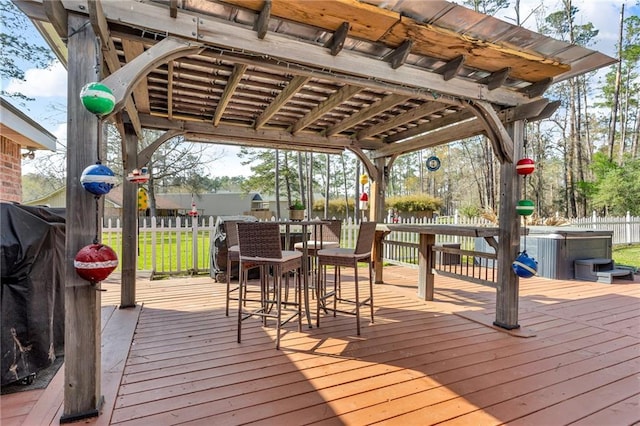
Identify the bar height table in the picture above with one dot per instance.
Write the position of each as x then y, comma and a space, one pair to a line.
304, 224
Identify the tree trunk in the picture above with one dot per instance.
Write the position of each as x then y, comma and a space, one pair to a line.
327, 186
301, 186
576, 140
616, 94
346, 193
636, 137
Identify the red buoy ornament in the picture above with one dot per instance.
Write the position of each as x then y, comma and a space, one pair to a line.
95, 262
525, 166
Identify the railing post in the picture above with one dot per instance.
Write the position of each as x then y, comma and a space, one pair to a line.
154, 230
628, 228
194, 244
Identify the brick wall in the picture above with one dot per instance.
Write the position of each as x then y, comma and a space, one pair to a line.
10, 171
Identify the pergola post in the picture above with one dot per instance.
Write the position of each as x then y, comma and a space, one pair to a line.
130, 219
82, 372
509, 237
378, 188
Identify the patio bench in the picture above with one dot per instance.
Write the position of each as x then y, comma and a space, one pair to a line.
600, 270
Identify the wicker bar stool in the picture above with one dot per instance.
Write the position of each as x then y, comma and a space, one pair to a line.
326, 235
233, 255
259, 245
345, 257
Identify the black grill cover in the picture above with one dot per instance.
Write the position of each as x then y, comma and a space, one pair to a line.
32, 318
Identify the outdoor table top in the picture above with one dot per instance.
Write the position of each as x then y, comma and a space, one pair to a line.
459, 230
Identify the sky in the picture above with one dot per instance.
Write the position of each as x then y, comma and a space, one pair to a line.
49, 87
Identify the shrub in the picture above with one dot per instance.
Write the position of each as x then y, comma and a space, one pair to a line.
414, 203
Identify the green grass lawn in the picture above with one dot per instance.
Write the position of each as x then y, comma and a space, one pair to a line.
627, 255
168, 251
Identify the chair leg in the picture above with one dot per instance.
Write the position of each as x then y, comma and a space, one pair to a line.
228, 286
300, 290
355, 277
277, 284
371, 290
240, 297
320, 280
336, 286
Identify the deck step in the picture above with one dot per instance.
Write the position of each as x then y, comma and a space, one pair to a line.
600, 270
607, 276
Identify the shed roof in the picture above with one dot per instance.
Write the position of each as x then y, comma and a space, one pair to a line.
387, 77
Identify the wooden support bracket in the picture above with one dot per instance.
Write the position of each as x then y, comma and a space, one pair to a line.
262, 24
496, 79
451, 68
336, 42
398, 57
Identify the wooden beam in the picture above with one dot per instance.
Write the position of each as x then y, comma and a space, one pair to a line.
283, 97
507, 290
449, 130
500, 139
416, 113
230, 88
496, 79
82, 349
122, 81
57, 15
129, 256
330, 103
173, 8
144, 156
336, 42
451, 68
398, 57
110, 54
132, 50
445, 120
289, 52
170, 90
437, 137
262, 143
242, 135
262, 23
547, 112
524, 112
537, 89
365, 113
372, 170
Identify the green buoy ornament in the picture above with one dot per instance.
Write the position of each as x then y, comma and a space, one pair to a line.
525, 207
97, 98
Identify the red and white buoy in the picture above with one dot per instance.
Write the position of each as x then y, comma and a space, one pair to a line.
95, 262
525, 166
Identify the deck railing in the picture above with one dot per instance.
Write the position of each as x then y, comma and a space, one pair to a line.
182, 245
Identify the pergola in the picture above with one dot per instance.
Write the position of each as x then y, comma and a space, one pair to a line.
379, 78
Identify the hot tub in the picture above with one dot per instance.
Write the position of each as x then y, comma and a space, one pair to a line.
556, 248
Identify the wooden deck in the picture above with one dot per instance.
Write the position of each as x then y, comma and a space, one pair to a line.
174, 360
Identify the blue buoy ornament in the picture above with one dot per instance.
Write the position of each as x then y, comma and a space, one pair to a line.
525, 266
98, 179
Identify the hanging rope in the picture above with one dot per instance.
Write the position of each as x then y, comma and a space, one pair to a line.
96, 238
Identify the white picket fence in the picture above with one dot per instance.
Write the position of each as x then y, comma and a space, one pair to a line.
182, 246
626, 229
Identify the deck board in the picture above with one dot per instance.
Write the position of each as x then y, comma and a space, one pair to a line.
421, 362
